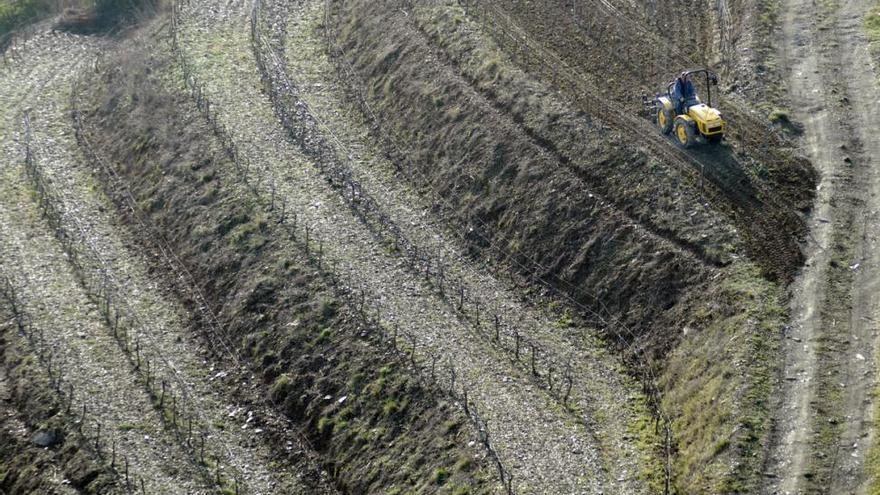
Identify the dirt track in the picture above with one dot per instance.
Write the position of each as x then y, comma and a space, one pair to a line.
824, 424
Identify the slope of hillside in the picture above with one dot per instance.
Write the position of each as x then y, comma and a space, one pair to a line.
344, 246
372, 423
493, 142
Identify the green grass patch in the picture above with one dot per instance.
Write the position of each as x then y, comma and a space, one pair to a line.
390, 407
779, 116
719, 383
441, 475
464, 464
325, 424
872, 30
281, 388
15, 14
872, 24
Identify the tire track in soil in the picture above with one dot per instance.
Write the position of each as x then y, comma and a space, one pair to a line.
538, 442
824, 426
864, 101
601, 388
770, 226
692, 249
234, 432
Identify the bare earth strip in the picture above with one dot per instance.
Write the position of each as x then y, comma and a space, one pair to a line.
861, 374
789, 456
824, 425
544, 446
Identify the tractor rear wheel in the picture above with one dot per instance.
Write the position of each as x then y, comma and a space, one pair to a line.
685, 133
664, 120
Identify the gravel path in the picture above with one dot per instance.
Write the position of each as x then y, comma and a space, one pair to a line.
825, 422
544, 446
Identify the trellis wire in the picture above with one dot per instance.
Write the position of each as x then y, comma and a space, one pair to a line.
103, 289
243, 166
419, 260
618, 329
65, 392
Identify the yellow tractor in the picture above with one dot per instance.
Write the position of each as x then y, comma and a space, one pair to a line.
681, 110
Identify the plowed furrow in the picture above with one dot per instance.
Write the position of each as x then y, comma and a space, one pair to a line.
670, 233
771, 229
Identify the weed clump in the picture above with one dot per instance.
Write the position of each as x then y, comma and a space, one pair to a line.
779, 116
441, 475
281, 388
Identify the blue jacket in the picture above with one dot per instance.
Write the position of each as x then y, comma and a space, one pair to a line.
683, 89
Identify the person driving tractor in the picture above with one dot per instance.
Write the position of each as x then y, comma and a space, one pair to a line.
684, 93
679, 109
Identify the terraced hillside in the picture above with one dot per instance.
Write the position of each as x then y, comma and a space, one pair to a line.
341, 246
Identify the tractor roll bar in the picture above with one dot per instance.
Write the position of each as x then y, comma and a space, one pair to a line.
711, 80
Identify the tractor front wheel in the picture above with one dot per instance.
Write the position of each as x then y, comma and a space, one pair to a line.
664, 120
685, 133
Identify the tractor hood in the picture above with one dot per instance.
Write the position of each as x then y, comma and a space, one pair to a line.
704, 113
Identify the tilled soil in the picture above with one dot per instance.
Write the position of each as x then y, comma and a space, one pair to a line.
543, 446
583, 444
718, 407
517, 206
824, 422
763, 208
649, 192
